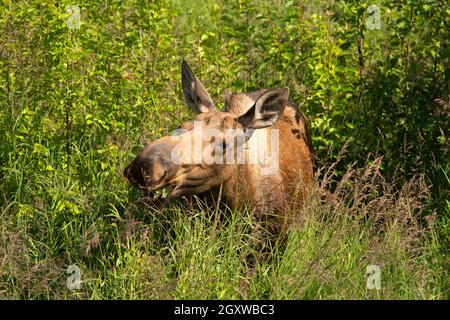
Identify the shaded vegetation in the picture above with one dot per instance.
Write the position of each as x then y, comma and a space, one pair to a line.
76, 104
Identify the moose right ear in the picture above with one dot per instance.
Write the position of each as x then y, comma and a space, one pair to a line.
266, 110
194, 92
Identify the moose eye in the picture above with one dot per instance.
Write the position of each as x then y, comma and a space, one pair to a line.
221, 145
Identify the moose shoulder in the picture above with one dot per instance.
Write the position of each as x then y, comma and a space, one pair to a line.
257, 150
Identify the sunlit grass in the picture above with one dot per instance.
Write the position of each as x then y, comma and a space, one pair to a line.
75, 106
127, 249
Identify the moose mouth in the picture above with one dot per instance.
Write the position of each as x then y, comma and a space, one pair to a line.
140, 179
157, 196
158, 192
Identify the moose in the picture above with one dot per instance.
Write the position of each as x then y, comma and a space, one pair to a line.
256, 151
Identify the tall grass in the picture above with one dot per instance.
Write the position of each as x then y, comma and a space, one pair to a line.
76, 104
127, 249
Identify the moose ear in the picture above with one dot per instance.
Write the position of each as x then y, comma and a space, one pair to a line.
266, 110
194, 92
227, 100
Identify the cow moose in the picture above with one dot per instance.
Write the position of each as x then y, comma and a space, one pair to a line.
256, 150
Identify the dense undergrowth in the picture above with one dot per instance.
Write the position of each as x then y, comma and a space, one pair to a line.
76, 104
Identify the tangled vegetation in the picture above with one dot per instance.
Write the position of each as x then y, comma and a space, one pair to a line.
76, 103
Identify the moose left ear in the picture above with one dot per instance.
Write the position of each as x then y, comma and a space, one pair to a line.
227, 100
194, 92
266, 110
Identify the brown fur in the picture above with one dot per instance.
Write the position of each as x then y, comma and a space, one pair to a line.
240, 183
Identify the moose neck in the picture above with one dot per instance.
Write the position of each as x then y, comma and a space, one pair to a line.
258, 180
